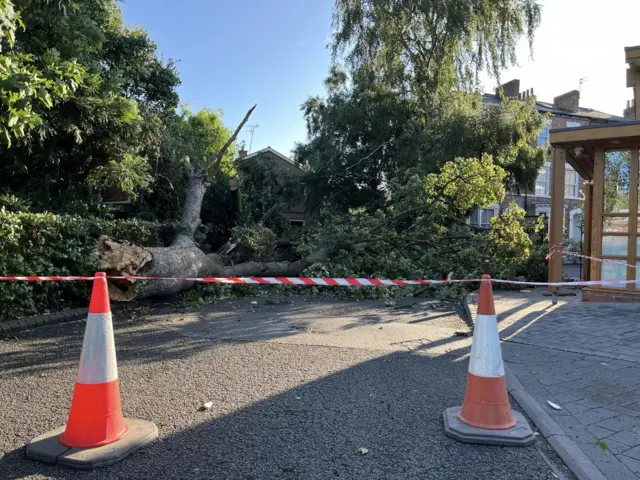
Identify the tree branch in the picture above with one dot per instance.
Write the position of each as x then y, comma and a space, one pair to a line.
188, 168
214, 163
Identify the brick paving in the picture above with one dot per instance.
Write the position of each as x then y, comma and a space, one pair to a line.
584, 357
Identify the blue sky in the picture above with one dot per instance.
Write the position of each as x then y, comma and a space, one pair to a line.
233, 54
578, 39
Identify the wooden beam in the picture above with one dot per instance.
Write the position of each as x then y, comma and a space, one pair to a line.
631, 53
556, 233
596, 210
577, 165
608, 132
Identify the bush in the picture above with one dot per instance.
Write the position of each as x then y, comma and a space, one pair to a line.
48, 244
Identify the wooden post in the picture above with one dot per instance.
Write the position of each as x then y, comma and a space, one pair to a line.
633, 218
556, 234
596, 210
586, 227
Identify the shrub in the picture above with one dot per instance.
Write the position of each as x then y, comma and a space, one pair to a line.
48, 244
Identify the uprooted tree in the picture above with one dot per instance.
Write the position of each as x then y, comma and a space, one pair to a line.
397, 153
183, 257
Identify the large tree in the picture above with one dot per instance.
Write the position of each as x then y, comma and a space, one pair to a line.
29, 84
394, 136
102, 128
364, 134
425, 46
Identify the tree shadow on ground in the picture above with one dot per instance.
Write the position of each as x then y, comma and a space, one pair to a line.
151, 336
147, 343
390, 405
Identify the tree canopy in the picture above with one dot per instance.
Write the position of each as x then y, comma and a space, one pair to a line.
399, 150
426, 46
97, 107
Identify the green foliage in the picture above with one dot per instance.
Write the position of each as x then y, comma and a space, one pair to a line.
399, 152
47, 244
264, 194
102, 96
366, 133
431, 45
469, 182
508, 240
205, 134
259, 240
129, 174
27, 82
402, 148
421, 232
12, 203
266, 188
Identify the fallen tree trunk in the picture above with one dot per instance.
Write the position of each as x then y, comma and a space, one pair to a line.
182, 259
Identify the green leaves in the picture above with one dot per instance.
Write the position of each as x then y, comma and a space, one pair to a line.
130, 174
45, 97
23, 82
469, 182
508, 240
428, 46
9, 21
78, 90
25, 87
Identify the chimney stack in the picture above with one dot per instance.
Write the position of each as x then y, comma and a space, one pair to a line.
510, 89
242, 153
630, 111
569, 101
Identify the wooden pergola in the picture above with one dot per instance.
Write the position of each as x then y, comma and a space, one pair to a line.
606, 157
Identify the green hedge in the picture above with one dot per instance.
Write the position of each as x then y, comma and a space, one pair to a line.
48, 244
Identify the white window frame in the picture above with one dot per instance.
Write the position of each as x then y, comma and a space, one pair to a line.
572, 224
547, 186
576, 187
494, 208
546, 209
547, 127
547, 167
547, 183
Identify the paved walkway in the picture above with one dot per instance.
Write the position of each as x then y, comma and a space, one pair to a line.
301, 390
584, 357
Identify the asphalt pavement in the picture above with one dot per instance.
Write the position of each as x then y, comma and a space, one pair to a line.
300, 389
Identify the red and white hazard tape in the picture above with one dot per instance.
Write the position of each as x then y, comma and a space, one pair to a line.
325, 281
55, 278
316, 281
595, 259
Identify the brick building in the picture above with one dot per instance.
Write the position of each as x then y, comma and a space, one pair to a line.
297, 214
565, 112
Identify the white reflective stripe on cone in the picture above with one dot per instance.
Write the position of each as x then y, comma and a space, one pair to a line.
98, 358
486, 354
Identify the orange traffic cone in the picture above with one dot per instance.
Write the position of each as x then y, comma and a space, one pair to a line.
95, 418
486, 415
96, 434
486, 401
